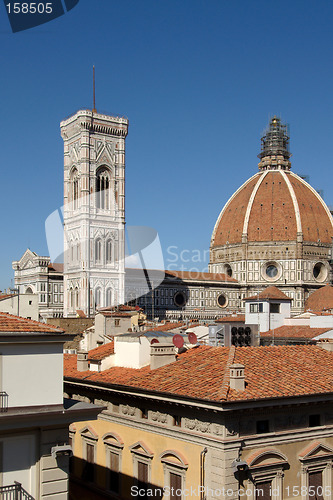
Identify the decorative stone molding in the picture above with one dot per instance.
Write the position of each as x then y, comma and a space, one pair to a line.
159, 417
204, 427
128, 410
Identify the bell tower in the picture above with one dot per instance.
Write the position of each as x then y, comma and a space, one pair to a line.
94, 211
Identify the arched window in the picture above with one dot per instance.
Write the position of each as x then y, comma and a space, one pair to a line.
74, 188
78, 251
103, 188
98, 297
98, 251
108, 297
108, 251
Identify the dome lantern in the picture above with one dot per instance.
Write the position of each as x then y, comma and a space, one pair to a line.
275, 152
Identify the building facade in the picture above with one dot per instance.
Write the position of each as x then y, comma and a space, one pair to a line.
34, 418
36, 277
275, 229
94, 211
217, 423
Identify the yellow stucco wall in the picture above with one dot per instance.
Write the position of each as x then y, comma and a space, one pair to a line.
156, 443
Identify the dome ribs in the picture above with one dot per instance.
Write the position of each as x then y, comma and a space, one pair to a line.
230, 223
272, 211
316, 222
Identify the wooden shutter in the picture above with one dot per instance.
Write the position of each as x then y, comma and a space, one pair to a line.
316, 481
263, 490
114, 472
143, 477
175, 484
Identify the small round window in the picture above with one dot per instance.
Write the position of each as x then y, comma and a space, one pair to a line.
271, 271
319, 272
179, 299
222, 300
228, 270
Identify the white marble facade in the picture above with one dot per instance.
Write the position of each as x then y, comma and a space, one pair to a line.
94, 211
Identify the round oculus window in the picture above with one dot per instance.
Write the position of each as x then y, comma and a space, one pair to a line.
222, 300
271, 271
319, 272
179, 299
228, 270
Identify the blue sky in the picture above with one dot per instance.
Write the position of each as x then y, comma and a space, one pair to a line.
198, 80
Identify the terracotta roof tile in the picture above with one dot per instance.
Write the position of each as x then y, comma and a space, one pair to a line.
320, 300
294, 332
271, 292
272, 213
230, 319
10, 323
101, 352
202, 373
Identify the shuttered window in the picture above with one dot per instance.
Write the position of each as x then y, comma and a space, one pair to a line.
175, 486
114, 472
263, 490
143, 477
316, 481
89, 470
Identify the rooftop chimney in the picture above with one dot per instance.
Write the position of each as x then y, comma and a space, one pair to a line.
161, 355
237, 377
82, 361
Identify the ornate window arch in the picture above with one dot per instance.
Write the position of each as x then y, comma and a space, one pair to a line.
266, 474
74, 188
98, 297
108, 251
175, 466
316, 471
113, 447
98, 251
108, 297
103, 182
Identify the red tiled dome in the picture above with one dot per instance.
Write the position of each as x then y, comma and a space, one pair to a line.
274, 205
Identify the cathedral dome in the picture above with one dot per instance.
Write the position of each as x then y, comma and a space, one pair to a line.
275, 205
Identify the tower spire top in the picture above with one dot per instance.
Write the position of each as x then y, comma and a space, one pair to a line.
275, 152
94, 94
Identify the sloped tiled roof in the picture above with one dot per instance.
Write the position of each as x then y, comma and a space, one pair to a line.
271, 292
101, 352
294, 332
202, 373
320, 300
10, 323
240, 318
7, 295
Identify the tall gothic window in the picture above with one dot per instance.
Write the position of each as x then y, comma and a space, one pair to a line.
74, 188
98, 251
108, 251
103, 188
97, 297
108, 297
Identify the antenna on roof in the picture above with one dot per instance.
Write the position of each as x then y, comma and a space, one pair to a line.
94, 99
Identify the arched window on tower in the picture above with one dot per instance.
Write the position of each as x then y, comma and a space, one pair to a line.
74, 196
108, 251
103, 188
98, 251
98, 298
108, 297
